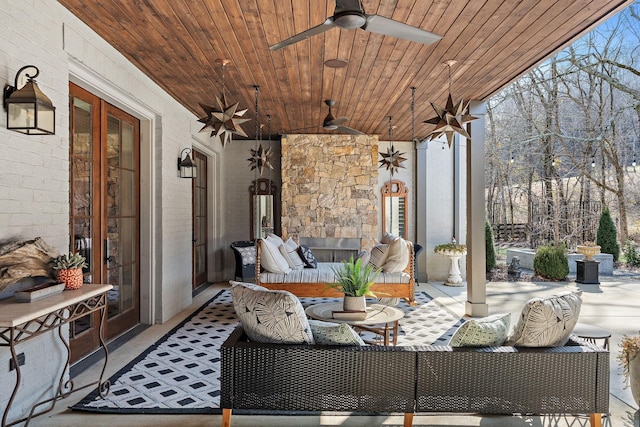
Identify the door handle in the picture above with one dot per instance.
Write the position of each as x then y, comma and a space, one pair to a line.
107, 258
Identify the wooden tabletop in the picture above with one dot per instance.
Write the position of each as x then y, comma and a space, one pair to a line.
376, 313
14, 313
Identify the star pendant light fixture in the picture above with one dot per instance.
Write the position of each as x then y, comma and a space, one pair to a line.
224, 120
260, 157
392, 159
450, 119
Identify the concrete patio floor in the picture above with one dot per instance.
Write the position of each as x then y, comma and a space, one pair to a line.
613, 305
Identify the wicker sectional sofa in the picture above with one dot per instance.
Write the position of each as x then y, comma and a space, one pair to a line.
572, 379
312, 282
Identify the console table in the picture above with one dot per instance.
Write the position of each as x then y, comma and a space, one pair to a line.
21, 322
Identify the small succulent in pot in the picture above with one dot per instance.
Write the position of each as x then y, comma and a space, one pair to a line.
69, 269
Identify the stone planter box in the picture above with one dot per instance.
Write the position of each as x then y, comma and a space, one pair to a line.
526, 260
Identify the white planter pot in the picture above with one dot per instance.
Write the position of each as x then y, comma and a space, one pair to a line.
354, 303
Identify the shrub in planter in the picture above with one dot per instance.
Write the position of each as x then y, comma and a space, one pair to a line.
607, 235
491, 250
551, 262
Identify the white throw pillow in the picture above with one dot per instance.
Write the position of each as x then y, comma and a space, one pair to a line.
329, 333
488, 331
379, 254
397, 257
388, 238
270, 316
547, 322
271, 259
275, 240
289, 251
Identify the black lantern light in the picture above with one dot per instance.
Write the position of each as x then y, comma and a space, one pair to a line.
29, 111
185, 165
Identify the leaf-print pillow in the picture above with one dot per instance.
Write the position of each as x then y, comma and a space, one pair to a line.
270, 316
547, 322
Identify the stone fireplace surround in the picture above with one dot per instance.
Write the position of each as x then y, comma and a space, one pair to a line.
329, 187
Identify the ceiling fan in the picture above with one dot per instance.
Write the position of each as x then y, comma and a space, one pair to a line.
350, 15
330, 122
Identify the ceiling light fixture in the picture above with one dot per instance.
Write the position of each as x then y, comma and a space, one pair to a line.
223, 120
29, 111
450, 119
336, 63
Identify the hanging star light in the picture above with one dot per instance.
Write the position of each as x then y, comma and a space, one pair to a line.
224, 120
392, 159
450, 119
260, 158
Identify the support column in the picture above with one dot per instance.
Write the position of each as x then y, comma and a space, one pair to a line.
421, 207
476, 305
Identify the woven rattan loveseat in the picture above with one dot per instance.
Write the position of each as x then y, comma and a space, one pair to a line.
573, 379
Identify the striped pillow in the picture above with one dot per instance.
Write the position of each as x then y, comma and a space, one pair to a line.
379, 254
289, 251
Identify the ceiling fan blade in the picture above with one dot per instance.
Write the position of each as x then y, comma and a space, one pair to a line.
337, 122
388, 27
319, 29
348, 130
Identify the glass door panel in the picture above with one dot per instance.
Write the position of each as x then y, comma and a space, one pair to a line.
199, 204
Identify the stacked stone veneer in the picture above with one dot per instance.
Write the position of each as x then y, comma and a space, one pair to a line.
329, 187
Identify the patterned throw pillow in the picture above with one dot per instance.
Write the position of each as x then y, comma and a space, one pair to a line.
379, 254
248, 254
364, 256
488, 331
547, 322
289, 251
270, 316
329, 333
271, 259
307, 257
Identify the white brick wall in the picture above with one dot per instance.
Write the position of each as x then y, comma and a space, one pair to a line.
34, 187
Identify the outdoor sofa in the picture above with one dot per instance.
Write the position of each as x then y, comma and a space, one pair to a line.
312, 282
570, 379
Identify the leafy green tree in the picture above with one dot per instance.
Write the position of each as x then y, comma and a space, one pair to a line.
607, 236
491, 251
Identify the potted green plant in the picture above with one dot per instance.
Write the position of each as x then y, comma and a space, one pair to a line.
354, 280
68, 269
629, 359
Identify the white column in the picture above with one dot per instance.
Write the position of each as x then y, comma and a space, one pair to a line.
421, 208
476, 305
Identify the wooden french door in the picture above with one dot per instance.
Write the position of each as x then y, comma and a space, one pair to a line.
200, 214
104, 211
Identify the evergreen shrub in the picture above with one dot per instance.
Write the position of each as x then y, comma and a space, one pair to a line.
631, 253
551, 262
490, 246
607, 235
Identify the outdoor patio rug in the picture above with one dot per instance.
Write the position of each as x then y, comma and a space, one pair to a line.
179, 374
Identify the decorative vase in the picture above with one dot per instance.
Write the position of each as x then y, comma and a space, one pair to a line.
634, 376
72, 278
588, 251
354, 303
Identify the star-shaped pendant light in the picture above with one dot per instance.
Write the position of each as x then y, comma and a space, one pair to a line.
392, 159
260, 158
224, 120
450, 119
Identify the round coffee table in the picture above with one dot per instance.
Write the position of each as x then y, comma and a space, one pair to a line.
381, 319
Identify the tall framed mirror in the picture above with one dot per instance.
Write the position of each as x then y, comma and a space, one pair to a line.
265, 208
394, 208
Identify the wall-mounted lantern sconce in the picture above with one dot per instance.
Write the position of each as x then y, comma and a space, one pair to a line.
29, 111
186, 166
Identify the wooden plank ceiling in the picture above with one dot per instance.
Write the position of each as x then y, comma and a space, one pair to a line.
178, 44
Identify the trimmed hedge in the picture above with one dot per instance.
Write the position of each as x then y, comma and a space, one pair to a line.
491, 250
551, 262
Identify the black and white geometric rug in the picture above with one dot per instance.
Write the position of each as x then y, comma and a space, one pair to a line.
179, 374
